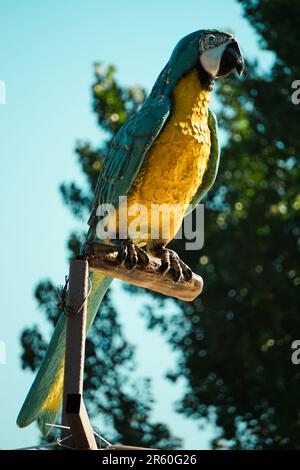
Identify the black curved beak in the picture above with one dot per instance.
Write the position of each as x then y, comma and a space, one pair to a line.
232, 59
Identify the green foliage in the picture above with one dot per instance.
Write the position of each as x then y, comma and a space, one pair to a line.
112, 392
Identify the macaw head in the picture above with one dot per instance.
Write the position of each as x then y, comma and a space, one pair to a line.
219, 54
212, 53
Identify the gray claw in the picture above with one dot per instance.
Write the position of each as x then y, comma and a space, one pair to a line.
130, 254
142, 256
165, 262
176, 267
122, 253
187, 272
170, 262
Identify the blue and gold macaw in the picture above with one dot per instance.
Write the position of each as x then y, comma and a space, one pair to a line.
167, 153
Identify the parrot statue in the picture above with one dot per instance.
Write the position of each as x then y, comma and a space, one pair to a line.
166, 153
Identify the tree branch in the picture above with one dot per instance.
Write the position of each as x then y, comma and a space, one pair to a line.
147, 276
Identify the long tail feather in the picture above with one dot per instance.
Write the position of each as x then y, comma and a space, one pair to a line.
44, 397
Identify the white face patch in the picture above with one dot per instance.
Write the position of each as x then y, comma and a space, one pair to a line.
211, 58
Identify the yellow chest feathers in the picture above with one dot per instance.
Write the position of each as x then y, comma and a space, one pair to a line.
175, 165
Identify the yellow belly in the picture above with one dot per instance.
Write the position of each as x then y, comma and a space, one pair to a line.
177, 161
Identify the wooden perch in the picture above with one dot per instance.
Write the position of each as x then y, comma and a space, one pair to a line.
147, 276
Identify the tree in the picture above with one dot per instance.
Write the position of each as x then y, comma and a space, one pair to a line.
110, 390
235, 341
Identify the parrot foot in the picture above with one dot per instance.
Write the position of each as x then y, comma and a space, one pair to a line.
170, 262
130, 254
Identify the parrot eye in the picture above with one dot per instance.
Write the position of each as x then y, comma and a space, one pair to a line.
211, 40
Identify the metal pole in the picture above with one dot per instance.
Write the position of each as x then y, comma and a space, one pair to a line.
74, 412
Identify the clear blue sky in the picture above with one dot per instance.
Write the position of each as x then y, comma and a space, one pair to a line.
46, 55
